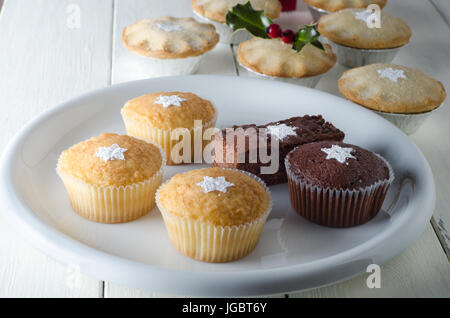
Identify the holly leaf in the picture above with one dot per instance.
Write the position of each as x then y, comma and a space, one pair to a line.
243, 16
307, 34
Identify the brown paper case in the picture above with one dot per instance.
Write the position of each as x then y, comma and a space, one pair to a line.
337, 207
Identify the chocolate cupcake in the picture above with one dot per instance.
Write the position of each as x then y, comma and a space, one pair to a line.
336, 184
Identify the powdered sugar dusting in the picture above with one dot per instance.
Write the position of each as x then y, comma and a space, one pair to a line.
392, 74
113, 152
172, 100
341, 154
210, 184
169, 27
281, 131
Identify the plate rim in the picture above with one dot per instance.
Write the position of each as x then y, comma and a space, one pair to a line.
67, 250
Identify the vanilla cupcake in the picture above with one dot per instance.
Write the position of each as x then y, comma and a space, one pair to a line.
356, 43
171, 120
215, 11
169, 46
214, 215
112, 178
402, 95
319, 8
275, 60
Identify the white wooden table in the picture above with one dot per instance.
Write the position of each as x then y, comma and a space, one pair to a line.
46, 58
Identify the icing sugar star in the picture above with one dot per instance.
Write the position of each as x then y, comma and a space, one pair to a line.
282, 131
392, 74
113, 152
341, 154
210, 184
168, 27
166, 101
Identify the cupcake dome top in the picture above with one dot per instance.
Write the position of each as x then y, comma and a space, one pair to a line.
392, 88
217, 10
169, 37
337, 165
169, 110
221, 197
349, 27
273, 57
335, 5
111, 160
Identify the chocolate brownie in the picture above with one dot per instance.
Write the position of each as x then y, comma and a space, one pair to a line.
288, 134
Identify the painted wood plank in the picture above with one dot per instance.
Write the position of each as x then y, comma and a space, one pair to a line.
46, 59
443, 6
422, 270
126, 68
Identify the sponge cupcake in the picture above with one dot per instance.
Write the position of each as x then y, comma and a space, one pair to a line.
111, 178
214, 214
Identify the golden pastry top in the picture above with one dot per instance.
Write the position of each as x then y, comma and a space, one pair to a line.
244, 201
216, 10
170, 38
392, 88
150, 109
141, 160
349, 27
335, 5
273, 57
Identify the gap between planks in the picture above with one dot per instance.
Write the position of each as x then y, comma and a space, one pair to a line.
438, 8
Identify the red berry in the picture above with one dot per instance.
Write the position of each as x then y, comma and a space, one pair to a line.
288, 36
274, 30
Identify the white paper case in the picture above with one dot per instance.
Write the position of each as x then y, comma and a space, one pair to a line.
112, 204
162, 137
213, 243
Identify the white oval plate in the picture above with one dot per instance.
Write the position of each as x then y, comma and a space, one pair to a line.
293, 254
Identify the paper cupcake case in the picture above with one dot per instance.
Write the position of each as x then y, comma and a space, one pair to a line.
213, 243
227, 35
112, 204
337, 207
162, 137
